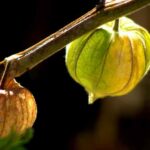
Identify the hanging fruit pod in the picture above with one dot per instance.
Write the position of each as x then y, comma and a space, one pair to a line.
18, 108
110, 61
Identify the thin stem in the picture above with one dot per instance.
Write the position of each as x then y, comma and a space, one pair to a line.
116, 25
26, 60
2, 80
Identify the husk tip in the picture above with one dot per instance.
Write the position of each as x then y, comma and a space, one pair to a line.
91, 98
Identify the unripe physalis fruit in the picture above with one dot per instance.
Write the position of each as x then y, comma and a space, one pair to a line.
17, 108
110, 60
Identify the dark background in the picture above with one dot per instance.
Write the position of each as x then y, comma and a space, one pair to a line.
65, 120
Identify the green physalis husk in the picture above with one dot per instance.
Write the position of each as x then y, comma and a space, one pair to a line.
108, 62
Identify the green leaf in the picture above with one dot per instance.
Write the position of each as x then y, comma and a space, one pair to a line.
16, 141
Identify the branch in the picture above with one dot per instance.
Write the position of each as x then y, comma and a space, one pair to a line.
21, 62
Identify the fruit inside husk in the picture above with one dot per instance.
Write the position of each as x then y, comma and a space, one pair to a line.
107, 62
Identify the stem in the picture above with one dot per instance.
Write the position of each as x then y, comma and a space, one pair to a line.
3, 77
27, 59
116, 25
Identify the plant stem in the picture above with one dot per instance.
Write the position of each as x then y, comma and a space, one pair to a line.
21, 62
116, 25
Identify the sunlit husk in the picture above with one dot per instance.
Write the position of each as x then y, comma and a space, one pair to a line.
109, 63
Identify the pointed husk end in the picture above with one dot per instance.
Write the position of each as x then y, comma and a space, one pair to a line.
91, 98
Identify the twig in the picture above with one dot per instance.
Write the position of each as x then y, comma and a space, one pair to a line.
21, 62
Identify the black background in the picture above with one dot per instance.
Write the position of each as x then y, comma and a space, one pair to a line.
59, 99
63, 110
